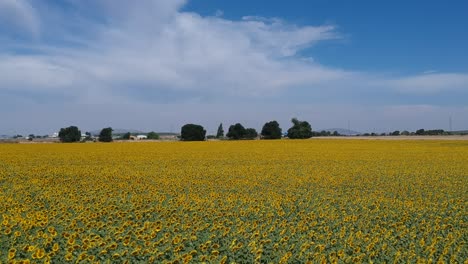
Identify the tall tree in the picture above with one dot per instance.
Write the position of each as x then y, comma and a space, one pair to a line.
300, 129
106, 135
236, 131
250, 133
271, 130
192, 132
220, 133
69, 134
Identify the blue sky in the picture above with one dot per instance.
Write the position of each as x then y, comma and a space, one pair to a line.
396, 36
157, 64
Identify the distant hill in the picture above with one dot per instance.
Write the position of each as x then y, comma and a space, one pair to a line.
342, 131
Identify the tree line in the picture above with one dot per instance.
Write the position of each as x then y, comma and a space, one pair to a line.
270, 130
195, 132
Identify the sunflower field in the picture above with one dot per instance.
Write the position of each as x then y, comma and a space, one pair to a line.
285, 201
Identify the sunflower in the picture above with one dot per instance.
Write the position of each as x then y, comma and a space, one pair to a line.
55, 247
11, 253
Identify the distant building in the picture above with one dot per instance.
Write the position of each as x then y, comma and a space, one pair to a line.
140, 137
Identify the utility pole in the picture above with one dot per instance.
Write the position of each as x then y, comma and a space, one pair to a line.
450, 123
349, 128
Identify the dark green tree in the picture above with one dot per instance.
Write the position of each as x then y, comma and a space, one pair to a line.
300, 129
220, 133
236, 131
192, 132
88, 136
152, 135
250, 133
420, 132
271, 130
335, 133
69, 134
126, 136
106, 135
396, 133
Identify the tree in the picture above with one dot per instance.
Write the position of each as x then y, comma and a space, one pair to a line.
396, 133
271, 130
106, 135
300, 129
236, 131
420, 132
335, 133
192, 132
152, 135
69, 134
88, 136
405, 133
220, 133
250, 133
126, 136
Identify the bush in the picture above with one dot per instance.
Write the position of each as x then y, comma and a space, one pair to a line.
299, 130
69, 134
236, 131
152, 135
126, 136
192, 132
271, 130
106, 135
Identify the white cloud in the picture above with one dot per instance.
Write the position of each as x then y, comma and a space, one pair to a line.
431, 83
34, 73
154, 45
19, 16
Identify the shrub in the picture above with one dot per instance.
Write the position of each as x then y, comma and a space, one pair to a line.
152, 135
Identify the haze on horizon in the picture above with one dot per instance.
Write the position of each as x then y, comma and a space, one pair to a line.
158, 64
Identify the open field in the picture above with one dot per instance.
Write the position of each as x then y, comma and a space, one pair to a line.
287, 201
455, 137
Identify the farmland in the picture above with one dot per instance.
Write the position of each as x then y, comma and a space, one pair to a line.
334, 201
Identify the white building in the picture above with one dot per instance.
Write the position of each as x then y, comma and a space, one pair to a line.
140, 137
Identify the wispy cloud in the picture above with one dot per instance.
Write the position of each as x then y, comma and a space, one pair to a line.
431, 83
